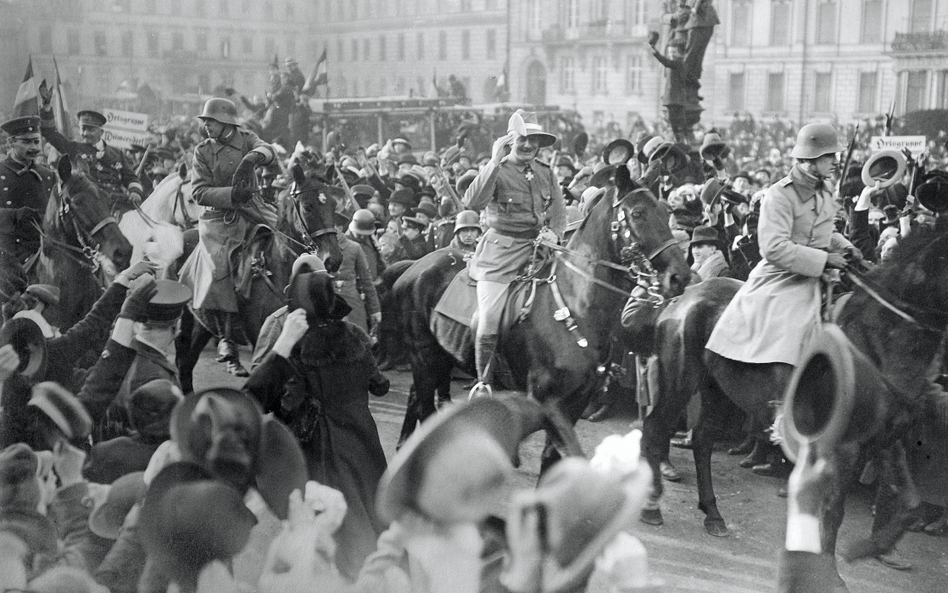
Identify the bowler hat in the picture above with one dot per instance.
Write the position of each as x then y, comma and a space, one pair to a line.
465, 447
106, 519
22, 126
88, 117
618, 152
63, 408
428, 209
27, 339
314, 294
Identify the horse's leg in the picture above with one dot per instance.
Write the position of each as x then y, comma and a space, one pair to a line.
200, 336
715, 408
561, 439
847, 464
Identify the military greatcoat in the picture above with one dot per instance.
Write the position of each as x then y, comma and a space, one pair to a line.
776, 313
22, 186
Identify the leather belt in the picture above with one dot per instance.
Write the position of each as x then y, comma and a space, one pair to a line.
530, 234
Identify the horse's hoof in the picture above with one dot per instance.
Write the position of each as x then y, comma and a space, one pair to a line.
236, 369
753, 459
669, 472
602, 413
651, 517
716, 527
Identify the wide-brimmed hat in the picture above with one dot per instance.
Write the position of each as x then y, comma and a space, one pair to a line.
618, 151
106, 519
223, 430
712, 147
465, 181
526, 124
465, 447
63, 408
705, 234
314, 294
26, 337
640, 148
713, 188
189, 519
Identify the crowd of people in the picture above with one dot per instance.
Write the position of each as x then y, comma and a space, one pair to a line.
114, 475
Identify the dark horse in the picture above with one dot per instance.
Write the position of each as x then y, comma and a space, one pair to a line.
78, 238
305, 225
899, 349
553, 354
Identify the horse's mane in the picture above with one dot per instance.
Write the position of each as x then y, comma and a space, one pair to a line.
916, 271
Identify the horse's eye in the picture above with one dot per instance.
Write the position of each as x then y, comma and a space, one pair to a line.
637, 213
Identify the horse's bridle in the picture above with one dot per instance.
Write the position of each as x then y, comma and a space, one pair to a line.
180, 205
89, 248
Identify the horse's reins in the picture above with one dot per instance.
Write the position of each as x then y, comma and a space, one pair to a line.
89, 247
895, 305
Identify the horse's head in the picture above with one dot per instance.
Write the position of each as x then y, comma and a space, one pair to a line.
317, 208
79, 212
638, 233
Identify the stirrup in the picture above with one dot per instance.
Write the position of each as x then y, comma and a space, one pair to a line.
480, 389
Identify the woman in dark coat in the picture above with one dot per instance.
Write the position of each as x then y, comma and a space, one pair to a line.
317, 379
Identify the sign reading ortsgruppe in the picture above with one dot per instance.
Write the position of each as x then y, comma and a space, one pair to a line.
124, 128
916, 144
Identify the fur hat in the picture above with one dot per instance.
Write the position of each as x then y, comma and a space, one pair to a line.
458, 461
63, 408
189, 519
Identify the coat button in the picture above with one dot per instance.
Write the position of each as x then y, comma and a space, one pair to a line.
3, 176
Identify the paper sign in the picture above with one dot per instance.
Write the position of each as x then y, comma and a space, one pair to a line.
124, 128
916, 144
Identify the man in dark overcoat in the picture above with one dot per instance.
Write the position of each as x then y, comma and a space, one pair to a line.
25, 186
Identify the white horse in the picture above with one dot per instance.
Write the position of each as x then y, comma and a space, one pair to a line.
168, 211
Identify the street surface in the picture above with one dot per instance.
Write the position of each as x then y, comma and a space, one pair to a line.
681, 554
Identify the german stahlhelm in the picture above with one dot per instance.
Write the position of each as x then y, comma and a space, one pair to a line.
815, 140
468, 219
222, 110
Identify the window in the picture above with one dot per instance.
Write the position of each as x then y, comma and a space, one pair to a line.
247, 43
225, 48
826, 22
921, 19
101, 45
868, 81
200, 40
735, 91
638, 12
46, 39
871, 21
915, 86
366, 49
572, 14
382, 49
740, 23
567, 74
153, 44
401, 47
442, 45
420, 46
822, 92
465, 5
465, 45
780, 22
491, 44
355, 50
775, 91
128, 44
177, 41
634, 75
536, 16
600, 75
942, 90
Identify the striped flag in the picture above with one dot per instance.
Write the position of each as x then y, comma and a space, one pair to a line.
319, 76
60, 108
27, 96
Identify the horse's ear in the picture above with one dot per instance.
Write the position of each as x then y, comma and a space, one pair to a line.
183, 171
64, 168
298, 176
624, 179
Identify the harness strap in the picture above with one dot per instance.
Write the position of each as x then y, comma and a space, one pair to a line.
858, 281
109, 220
592, 278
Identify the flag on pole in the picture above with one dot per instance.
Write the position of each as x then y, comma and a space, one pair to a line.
501, 92
60, 107
27, 96
434, 85
319, 76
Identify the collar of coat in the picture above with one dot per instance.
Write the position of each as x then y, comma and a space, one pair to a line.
234, 141
807, 185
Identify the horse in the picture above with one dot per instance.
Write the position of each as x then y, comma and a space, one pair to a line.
305, 223
81, 246
555, 352
156, 231
898, 324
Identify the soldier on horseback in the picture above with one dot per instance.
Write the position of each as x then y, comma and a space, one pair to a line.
523, 202
108, 167
24, 189
225, 184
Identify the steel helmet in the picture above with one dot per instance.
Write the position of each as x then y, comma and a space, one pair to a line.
222, 110
815, 140
468, 219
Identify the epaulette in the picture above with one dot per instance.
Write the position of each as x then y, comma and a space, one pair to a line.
785, 181
545, 164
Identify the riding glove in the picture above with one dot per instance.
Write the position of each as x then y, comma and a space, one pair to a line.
244, 174
136, 301
240, 195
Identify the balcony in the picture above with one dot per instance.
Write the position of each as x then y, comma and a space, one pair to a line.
913, 43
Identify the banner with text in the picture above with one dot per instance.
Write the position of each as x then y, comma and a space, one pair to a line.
916, 144
124, 128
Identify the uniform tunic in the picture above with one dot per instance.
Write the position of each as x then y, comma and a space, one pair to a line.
353, 282
208, 271
22, 187
520, 200
776, 313
108, 167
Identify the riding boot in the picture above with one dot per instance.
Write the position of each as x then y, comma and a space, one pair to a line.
484, 348
228, 354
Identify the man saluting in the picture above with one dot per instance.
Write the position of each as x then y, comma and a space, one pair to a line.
24, 189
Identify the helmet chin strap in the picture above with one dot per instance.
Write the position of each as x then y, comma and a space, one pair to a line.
225, 134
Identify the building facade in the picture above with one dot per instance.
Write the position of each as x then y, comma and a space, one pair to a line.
805, 60
381, 48
180, 50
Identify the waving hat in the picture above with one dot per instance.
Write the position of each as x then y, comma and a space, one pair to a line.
526, 124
